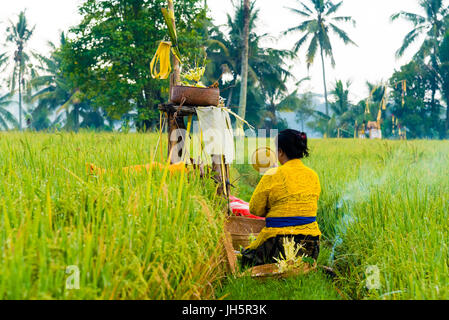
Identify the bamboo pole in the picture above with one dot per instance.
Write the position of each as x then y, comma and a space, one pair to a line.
176, 75
174, 123
221, 175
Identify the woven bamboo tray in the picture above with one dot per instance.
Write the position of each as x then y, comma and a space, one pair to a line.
271, 271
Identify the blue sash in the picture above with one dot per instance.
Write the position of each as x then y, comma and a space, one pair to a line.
283, 222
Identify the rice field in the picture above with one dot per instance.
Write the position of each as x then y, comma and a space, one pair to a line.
66, 233
384, 213
127, 236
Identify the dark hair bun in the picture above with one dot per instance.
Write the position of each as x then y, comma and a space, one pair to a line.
293, 143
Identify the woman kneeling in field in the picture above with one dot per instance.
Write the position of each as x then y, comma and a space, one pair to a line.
288, 197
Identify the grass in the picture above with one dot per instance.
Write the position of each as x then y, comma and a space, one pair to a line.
298, 288
126, 233
313, 286
384, 204
158, 235
395, 216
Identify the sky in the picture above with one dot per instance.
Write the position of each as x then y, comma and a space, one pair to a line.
49, 16
372, 60
377, 38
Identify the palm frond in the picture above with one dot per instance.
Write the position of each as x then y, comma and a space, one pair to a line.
326, 45
3, 124
220, 44
322, 115
408, 40
303, 26
305, 7
319, 5
57, 121
414, 18
311, 52
8, 117
342, 35
299, 12
301, 41
333, 8
345, 19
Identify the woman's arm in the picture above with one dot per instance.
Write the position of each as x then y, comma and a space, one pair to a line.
258, 205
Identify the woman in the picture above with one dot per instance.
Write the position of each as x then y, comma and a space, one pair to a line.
288, 197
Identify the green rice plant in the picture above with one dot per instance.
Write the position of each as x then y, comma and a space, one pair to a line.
400, 225
128, 240
157, 235
383, 204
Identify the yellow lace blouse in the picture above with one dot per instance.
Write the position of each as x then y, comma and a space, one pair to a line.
291, 190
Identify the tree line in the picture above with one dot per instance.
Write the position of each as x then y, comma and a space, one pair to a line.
98, 76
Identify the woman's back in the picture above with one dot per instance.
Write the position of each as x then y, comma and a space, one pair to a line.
291, 190
295, 190
288, 197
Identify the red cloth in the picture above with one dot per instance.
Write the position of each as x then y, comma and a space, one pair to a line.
241, 208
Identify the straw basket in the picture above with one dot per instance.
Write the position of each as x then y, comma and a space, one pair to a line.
193, 96
241, 229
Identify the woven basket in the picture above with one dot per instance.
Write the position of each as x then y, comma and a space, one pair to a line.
267, 271
241, 229
193, 96
241, 240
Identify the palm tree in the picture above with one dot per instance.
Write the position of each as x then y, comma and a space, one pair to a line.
6, 117
344, 114
342, 107
444, 58
226, 51
317, 22
304, 108
300, 104
54, 92
245, 55
341, 95
433, 26
267, 70
275, 91
19, 34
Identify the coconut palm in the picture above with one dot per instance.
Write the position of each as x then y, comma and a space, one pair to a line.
275, 92
19, 34
344, 113
245, 56
266, 66
341, 96
444, 58
226, 50
318, 19
304, 108
432, 25
6, 117
54, 93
